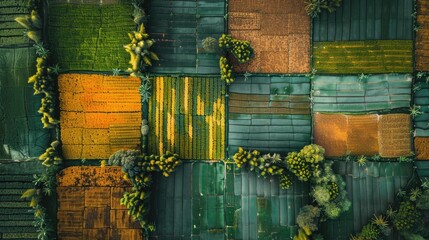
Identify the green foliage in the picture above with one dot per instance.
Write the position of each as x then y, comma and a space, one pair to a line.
33, 24
210, 44
41, 50
137, 201
240, 49
362, 78
412, 236
422, 76
305, 162
298, 166
362, 161
144, 89
139, 169
380, 221
116, 71
242, 158
370, 232
43, 83
139, 15
329, 192
422, 201
266, 165
382, 224
44, 185
226, 71
308, 218
406, 216
333, 190
376, 157
141, 56
285, 181
51, 155
314, 7
415, 194
415, 111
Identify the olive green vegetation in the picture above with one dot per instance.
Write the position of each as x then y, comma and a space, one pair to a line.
315, 7
90, 37
139, 52
226, 70
240, 49
33, 25
52, 155
44, 83
356, 57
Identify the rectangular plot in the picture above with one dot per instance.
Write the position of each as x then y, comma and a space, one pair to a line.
277, 117
179, 28
355, 57
365, 20
95, 42
353, 94
279, 32
188, 118
101, 117
386, 135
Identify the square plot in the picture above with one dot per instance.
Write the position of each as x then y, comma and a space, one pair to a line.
100, 116
188, 117
95, 42
269, 114
272, 21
